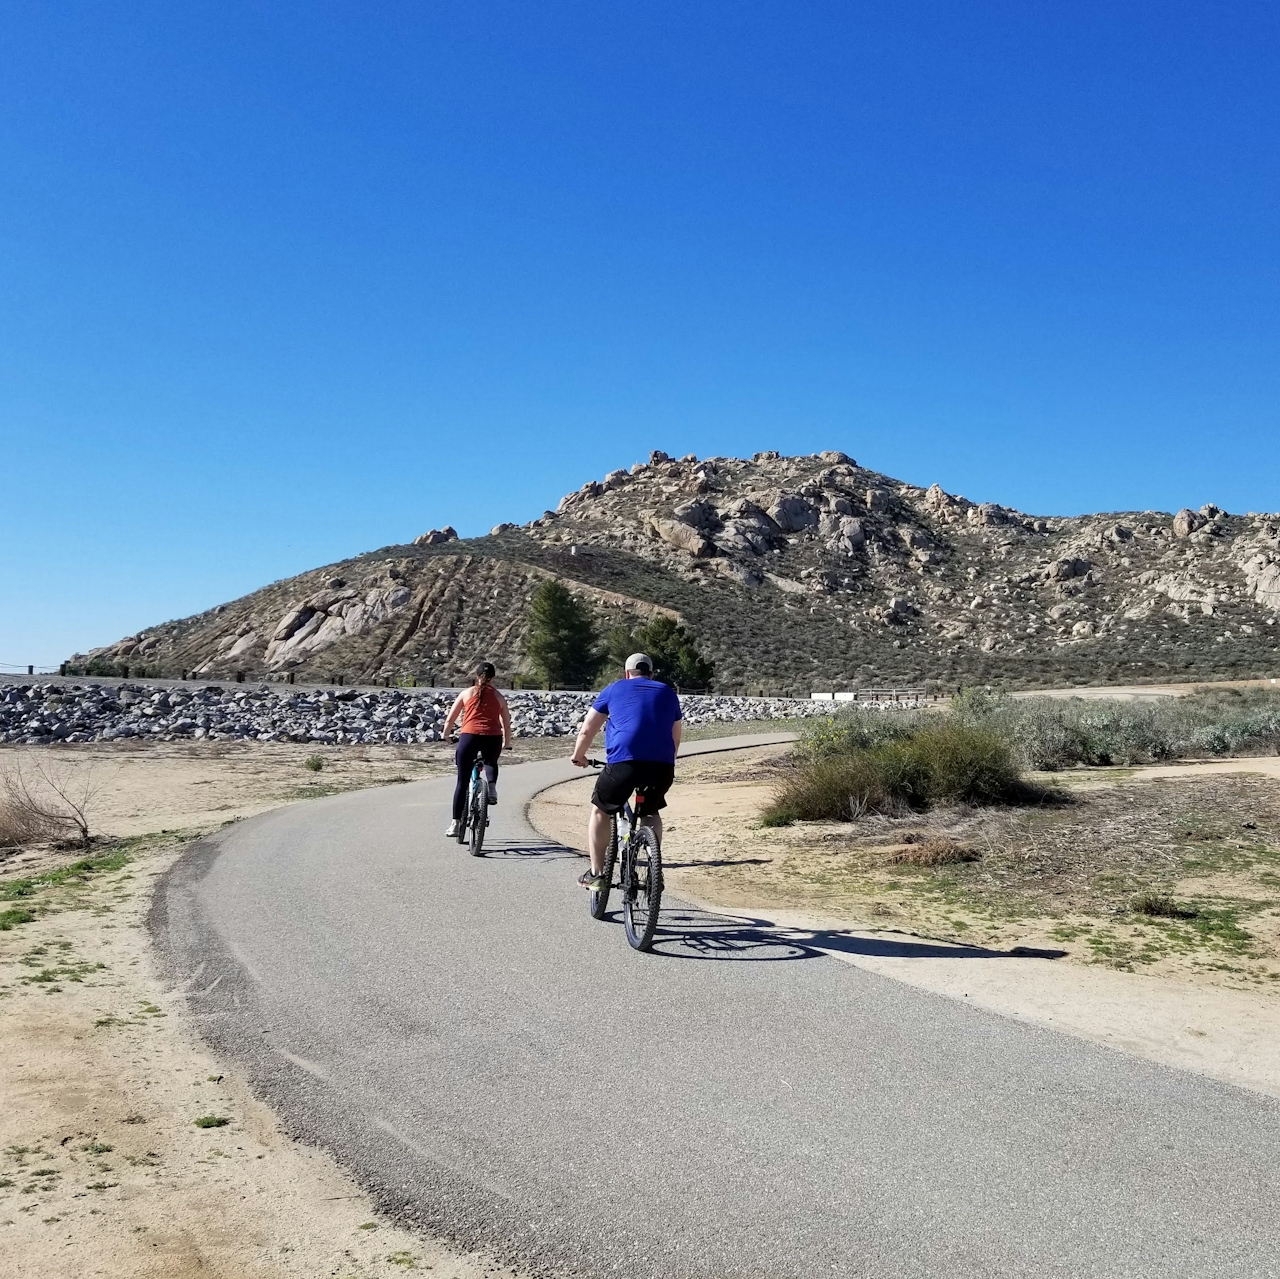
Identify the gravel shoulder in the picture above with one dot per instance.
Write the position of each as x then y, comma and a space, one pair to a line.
103, 1169
1200, 997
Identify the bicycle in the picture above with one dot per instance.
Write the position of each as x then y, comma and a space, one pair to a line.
475, 815
639, 877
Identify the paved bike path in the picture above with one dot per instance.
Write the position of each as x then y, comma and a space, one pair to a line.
507, 1073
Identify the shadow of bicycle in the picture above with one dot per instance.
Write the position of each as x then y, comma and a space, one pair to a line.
523, 849
690, 932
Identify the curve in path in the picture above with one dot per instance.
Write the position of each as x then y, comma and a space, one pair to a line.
504, 1072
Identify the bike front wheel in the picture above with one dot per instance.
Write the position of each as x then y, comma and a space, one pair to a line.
641, 888
479, 818
598, 898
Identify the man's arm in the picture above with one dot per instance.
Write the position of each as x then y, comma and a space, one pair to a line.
586, 735
677, 732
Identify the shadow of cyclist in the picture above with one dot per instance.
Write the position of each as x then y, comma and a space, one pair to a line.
689, 932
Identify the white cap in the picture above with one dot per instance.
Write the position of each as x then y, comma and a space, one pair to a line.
637, 660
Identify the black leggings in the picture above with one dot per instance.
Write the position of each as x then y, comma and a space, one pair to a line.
469, 746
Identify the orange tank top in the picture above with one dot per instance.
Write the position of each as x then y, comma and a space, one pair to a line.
480, 713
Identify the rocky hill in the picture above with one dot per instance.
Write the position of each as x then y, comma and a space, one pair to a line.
795, 573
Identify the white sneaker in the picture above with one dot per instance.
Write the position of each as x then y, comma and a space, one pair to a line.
452, 831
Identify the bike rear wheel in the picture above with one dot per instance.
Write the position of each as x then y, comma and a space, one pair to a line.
598, 898
641, 888
479, 808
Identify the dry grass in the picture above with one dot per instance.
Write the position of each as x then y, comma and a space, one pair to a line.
939, 851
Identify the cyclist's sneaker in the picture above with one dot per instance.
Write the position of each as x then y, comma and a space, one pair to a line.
451, 832
493, 792
591, 881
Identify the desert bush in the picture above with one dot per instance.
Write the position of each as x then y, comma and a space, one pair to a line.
933, 852
40, 800
856, 727
951, 760
831, 788
314, 763
942, 760
1052, 733
1162, 906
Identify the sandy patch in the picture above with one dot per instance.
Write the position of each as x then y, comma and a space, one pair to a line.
103, 1170
719, 858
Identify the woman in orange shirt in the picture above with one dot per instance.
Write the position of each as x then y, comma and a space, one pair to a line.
485, 731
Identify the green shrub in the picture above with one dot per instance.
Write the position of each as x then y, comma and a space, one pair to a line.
1162, 906
1052, 733
857, 727
314, 762
944, 760
950, 760
833, 788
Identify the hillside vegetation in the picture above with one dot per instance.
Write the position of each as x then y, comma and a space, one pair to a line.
793, 573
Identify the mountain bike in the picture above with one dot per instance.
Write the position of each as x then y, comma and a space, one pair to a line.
638, 860
475, 815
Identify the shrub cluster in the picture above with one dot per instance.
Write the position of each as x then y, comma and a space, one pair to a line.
866, 760
944, 759
1053, 733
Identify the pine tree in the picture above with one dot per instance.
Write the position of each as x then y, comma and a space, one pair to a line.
674, 650
561, 641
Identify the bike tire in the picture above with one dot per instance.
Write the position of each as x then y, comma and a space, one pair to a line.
598, 898
479, 818
642, 888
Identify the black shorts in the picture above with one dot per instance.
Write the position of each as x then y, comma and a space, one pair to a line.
651, 778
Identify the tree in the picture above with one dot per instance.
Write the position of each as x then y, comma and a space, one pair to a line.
561, 640
674, 650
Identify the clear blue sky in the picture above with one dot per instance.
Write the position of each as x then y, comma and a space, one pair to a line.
283, 282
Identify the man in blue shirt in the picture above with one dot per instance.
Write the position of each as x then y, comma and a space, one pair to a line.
642, 725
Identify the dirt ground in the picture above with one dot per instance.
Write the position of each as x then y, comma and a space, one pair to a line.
1046, 896
104, 1169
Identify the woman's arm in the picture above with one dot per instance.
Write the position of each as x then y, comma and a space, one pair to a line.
504, 711
454, 711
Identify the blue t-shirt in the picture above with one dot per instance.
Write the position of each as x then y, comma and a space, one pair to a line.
641, 713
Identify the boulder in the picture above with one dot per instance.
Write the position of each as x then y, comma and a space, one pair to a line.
833, 457
1187, 522
1067, 567
615, 479
683, 537
768, 455
1262, 576
938, 500
435, 536
989, 513
878, 501
657, 457
844, 534
700, 515
502, 528
791, 513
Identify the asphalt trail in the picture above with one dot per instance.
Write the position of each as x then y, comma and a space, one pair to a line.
502, 1071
